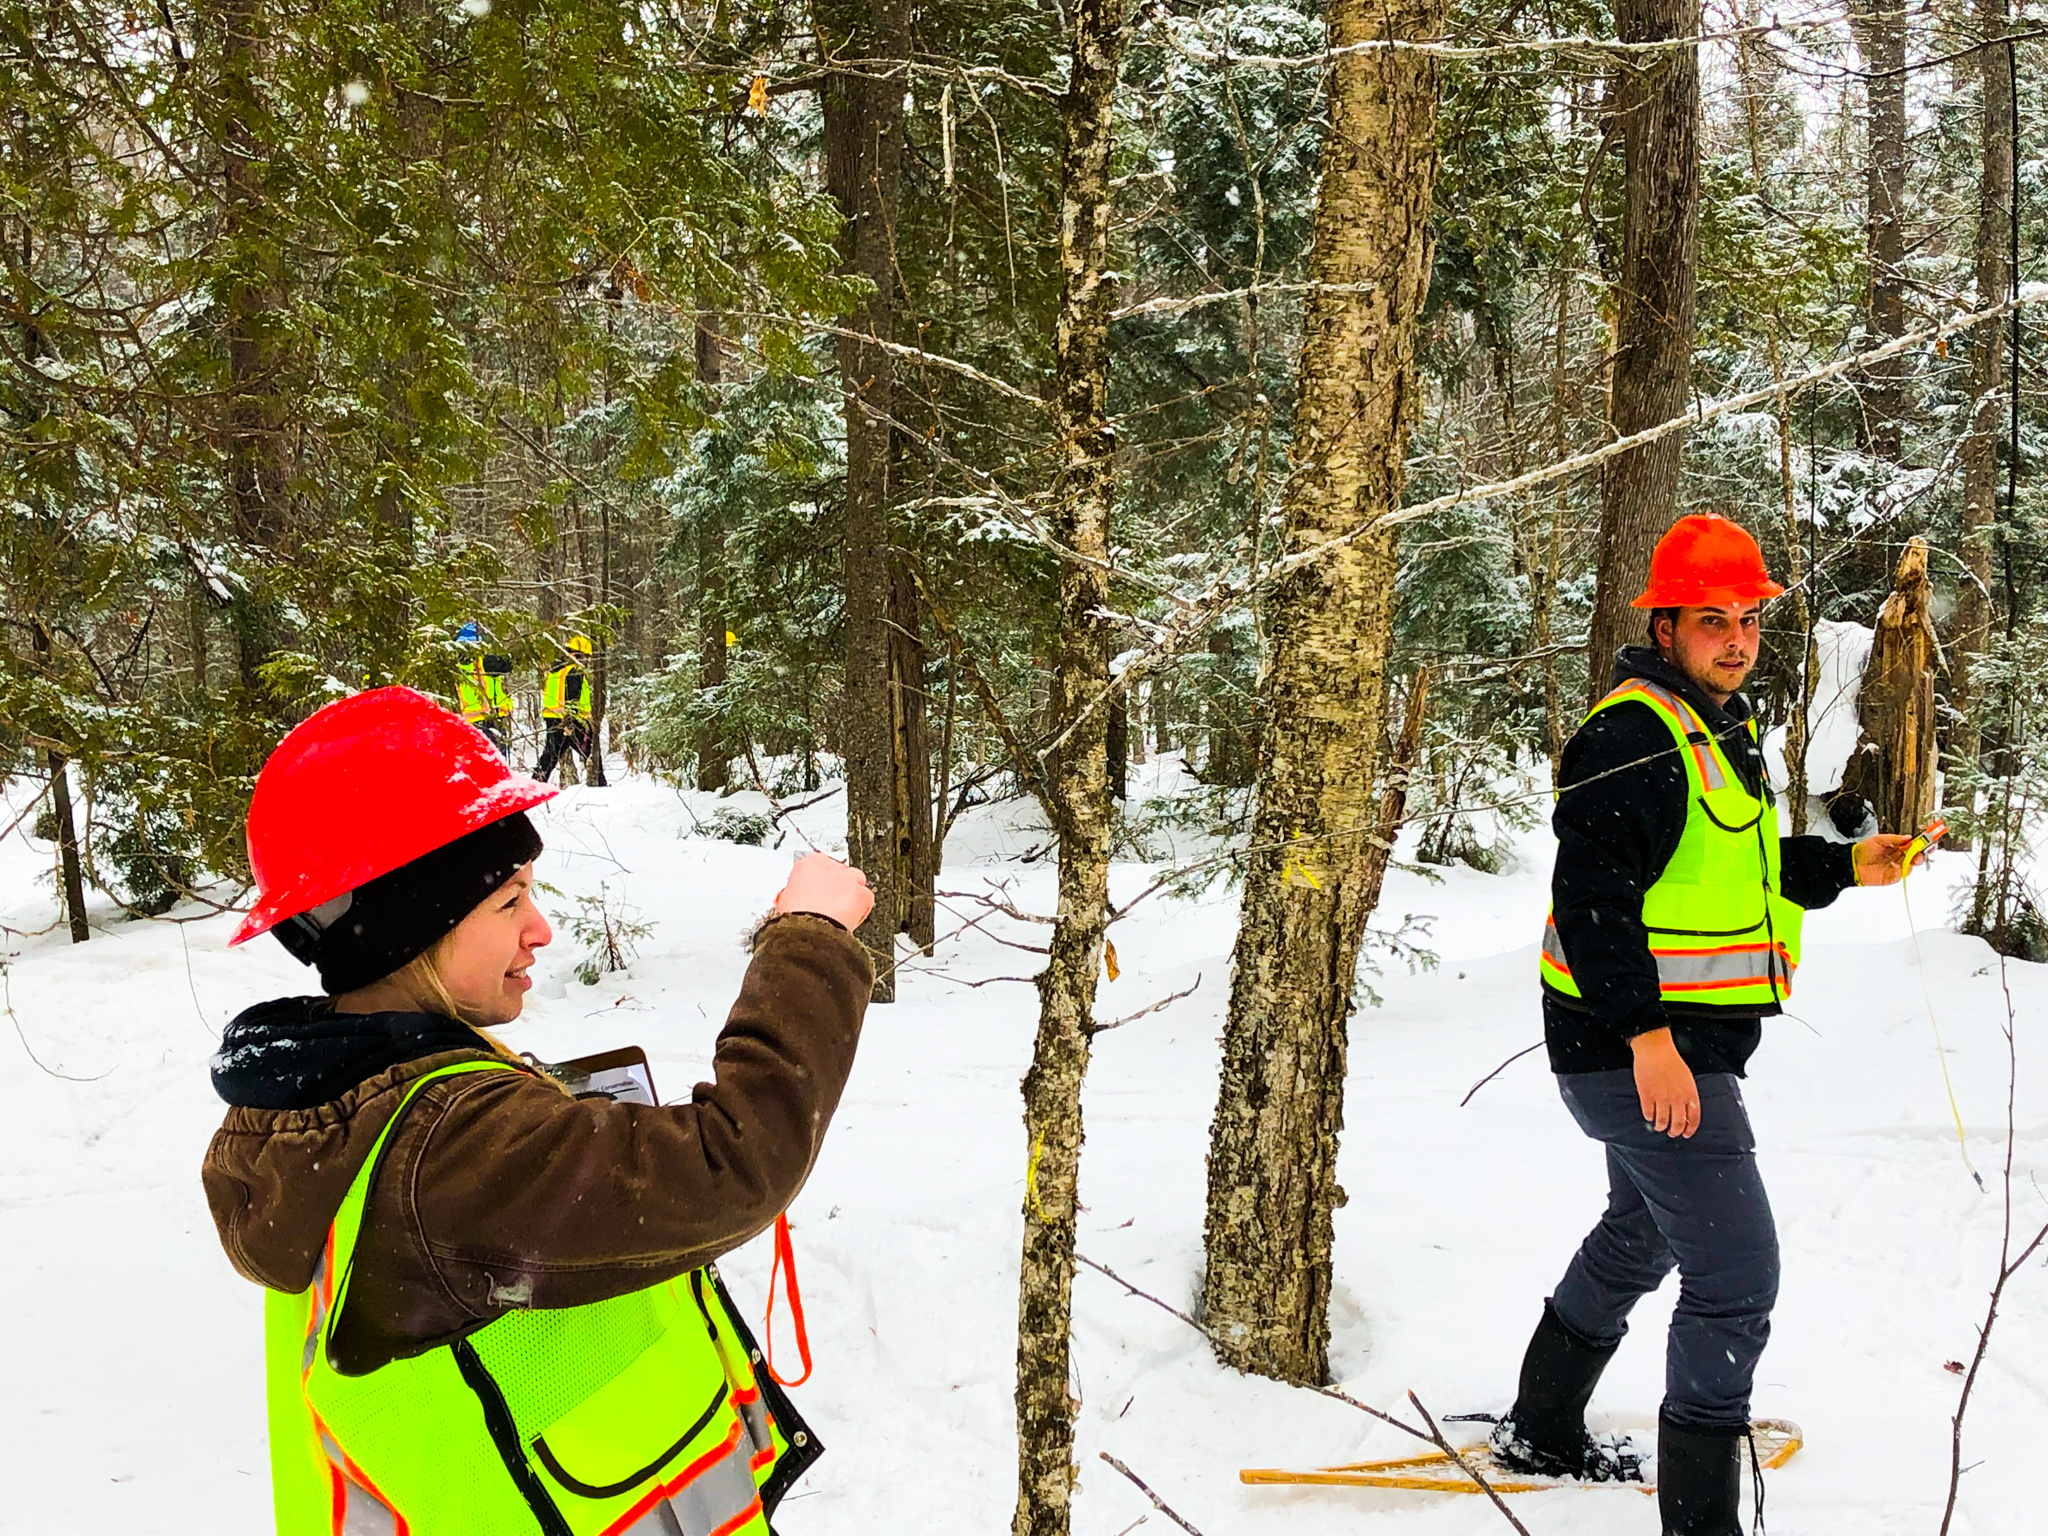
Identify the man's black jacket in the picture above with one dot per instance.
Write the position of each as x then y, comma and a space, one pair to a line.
1621, 808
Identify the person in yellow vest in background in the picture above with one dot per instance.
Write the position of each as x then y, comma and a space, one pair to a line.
565, 710
485, 696
490, 1309
1674, 931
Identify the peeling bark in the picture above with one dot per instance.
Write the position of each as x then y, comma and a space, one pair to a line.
1893, 765
1273, 1145
1077, 783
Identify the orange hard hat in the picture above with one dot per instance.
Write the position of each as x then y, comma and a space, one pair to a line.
1705, 560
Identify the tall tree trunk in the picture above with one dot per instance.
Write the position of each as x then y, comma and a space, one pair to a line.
1080, 803
1980, 449
909, 710
1118, 747
714, 751
1273, 1145
68, 871
1751, 70
1881, 38
864, 160
1658, 106
253, 438
67, 845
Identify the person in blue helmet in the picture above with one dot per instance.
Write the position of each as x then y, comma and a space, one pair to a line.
485, 695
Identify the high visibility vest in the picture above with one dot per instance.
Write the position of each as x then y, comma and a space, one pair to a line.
555, 703
482, 694
638, 1415
1719, 931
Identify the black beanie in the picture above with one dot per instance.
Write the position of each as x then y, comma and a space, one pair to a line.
371, 931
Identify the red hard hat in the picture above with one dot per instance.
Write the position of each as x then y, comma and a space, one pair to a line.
1705, 560
365, 785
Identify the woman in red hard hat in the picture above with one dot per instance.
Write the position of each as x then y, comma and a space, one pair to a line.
1674, 931
488, 1305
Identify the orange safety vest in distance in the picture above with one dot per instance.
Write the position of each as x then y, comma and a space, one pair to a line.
637, 1416
1719, 931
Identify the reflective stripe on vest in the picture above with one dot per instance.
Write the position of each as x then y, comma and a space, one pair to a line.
1718, 930
640, 1414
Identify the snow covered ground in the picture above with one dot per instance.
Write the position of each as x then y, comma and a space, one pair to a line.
130, 1393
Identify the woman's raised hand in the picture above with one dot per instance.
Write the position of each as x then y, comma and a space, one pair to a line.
821, 884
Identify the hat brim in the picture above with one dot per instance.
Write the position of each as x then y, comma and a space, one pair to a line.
1709, 597
514, 794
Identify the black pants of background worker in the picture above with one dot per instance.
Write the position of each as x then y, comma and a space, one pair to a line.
1696, 1204
499, 730
563, 738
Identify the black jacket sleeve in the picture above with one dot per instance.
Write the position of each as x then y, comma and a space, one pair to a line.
1812, 871
1620, 813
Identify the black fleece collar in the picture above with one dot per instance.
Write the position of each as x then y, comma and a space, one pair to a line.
298, 1053
1724, 722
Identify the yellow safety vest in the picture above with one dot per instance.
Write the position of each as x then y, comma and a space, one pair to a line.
554, 701
1719, 931
483, 694
638, 1416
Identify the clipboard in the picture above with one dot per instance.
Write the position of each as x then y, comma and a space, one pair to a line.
621, 1075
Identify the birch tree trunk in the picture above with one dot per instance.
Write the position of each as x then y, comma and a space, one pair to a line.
1980, 449
1273, 1145
864, 170
1658, 104
1077, 782
1880, 35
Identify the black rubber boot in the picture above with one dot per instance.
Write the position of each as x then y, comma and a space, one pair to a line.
1699, 1480
1545, 1432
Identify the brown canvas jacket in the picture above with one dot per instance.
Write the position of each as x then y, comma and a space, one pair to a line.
497, 1190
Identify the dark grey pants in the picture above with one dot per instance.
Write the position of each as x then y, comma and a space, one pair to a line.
1696, 1204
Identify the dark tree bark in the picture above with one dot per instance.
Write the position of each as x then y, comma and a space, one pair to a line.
1280, 1106
1980, 449
1880, 34
1658, 108
714, 752
1119, 748
912, 754
253, 424
67, 845
863, 111
1078, 797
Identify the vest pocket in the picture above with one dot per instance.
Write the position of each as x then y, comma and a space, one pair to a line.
662, 1432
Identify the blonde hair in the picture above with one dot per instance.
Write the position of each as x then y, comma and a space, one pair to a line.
420, 978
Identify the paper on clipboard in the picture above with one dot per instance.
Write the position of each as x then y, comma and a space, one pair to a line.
622, 1076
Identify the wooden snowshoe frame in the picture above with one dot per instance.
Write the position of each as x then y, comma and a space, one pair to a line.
1777, 1441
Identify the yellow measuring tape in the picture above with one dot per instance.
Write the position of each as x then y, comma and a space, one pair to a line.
1914, 850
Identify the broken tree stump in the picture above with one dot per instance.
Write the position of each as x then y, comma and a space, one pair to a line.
1893, 765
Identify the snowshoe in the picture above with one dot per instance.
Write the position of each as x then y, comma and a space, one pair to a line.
1596, 1459
1776, 1441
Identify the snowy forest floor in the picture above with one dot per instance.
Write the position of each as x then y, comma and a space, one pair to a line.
131, 1389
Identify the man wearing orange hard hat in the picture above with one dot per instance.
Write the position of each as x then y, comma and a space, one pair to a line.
1673, 933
